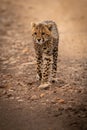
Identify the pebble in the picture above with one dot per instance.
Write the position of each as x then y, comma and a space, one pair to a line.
34, 97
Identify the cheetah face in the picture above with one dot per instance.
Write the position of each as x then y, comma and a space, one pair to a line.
41, 33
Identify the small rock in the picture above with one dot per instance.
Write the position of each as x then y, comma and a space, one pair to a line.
34, 97
20, 100
57, 98
47, 101
17, 97
44, 104
61, 101
10, 90
53, 102
42, 95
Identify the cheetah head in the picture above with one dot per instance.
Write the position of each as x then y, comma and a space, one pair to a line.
41, 33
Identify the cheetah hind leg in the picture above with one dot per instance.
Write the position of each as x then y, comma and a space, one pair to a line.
54, 65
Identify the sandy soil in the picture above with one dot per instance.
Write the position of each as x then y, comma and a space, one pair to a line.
22, 105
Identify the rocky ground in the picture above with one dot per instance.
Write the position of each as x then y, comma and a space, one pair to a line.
22, 105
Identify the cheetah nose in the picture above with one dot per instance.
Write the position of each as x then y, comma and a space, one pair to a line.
38, 40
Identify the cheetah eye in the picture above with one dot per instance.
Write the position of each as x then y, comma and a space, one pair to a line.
43, 33
35, 33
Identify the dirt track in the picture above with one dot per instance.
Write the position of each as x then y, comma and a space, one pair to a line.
22, 105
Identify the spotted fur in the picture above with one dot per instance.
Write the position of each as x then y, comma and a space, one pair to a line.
45, 37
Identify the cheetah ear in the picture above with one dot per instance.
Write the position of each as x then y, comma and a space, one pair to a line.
49, 26
33, 25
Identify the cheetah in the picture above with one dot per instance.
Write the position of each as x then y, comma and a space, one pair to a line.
46, 38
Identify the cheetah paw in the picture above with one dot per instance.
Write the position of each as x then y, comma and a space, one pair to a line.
44, 86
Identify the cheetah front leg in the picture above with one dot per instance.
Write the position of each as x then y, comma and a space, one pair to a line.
46, 71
